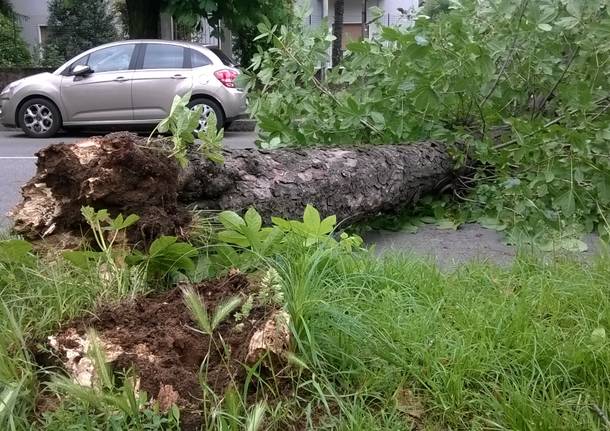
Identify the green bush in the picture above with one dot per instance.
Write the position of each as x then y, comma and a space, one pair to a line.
13, 50
75, 27
523, 87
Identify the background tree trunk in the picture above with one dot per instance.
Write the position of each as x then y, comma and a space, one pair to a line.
363, 27
337, 54
143, 19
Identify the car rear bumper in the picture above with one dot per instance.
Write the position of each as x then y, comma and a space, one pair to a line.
234, 103
7, 113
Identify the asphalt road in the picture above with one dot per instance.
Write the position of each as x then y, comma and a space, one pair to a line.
18, 163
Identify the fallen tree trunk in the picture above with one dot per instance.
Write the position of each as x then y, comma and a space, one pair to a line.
119, 173
353, 184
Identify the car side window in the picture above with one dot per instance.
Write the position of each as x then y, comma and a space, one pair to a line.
163, 56
113, 58
198, 59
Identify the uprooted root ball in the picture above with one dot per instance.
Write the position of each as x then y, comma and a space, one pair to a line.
156, 337
117, 172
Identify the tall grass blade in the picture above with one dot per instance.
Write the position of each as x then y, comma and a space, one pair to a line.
197, 308
224, 309
254, 421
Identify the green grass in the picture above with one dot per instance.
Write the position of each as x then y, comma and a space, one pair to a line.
482, 348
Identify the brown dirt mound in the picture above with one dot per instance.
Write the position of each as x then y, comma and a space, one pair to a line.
156, 339
116, 172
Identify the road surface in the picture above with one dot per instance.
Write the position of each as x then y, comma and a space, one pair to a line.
18, 163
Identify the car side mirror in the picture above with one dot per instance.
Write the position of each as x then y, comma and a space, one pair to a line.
81, 70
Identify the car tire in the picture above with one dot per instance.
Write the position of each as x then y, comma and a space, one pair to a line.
39, 118
209, 107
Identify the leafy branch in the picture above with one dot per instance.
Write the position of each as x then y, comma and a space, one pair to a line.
181, 124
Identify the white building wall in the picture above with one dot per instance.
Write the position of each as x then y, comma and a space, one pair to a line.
352, 13
393, 17
36, 14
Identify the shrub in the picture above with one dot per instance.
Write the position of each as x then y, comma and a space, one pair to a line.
13, 50
522, 86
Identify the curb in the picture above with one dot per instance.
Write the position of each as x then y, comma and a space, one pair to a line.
242, 125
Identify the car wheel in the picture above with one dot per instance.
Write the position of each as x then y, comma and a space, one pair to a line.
39, 118
209, 108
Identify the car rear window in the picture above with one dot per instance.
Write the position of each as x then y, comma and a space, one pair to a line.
226, 60
162, 56
198, 59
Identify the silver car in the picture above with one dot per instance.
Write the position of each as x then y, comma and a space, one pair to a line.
128, 83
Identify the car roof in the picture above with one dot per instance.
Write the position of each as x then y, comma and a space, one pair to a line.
200, 47
161, 41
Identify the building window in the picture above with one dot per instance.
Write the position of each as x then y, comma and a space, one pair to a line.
43, 34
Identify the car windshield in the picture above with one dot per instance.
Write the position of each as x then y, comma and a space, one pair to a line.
226, 60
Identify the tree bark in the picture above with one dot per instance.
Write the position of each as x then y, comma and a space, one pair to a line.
353, 184
143, 19
363, 25
337, 53
123, 174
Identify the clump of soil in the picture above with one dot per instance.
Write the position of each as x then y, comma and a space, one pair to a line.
117, 172
157, 338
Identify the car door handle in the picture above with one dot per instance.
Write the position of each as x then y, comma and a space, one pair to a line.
178, 76
120, 79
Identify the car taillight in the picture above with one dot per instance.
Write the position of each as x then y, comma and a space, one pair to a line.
227, 77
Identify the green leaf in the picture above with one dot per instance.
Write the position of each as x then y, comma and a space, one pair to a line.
253, 219
545, 27
233, 237
391, 34
574, 8
447, 224
231, 220
409, 228
378, 118
281, 223
567, 22
160, 244
273, 238
567, 203
327, 225
311, 218
16, 251
491, 223
83, 259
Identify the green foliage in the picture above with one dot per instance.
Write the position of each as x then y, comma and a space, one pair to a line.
311, 228
76, 26
13, 50
16, 251
211, 141
240, 16
522, 87
166, 258
181, 124
248, 231
389, 342
315, 231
